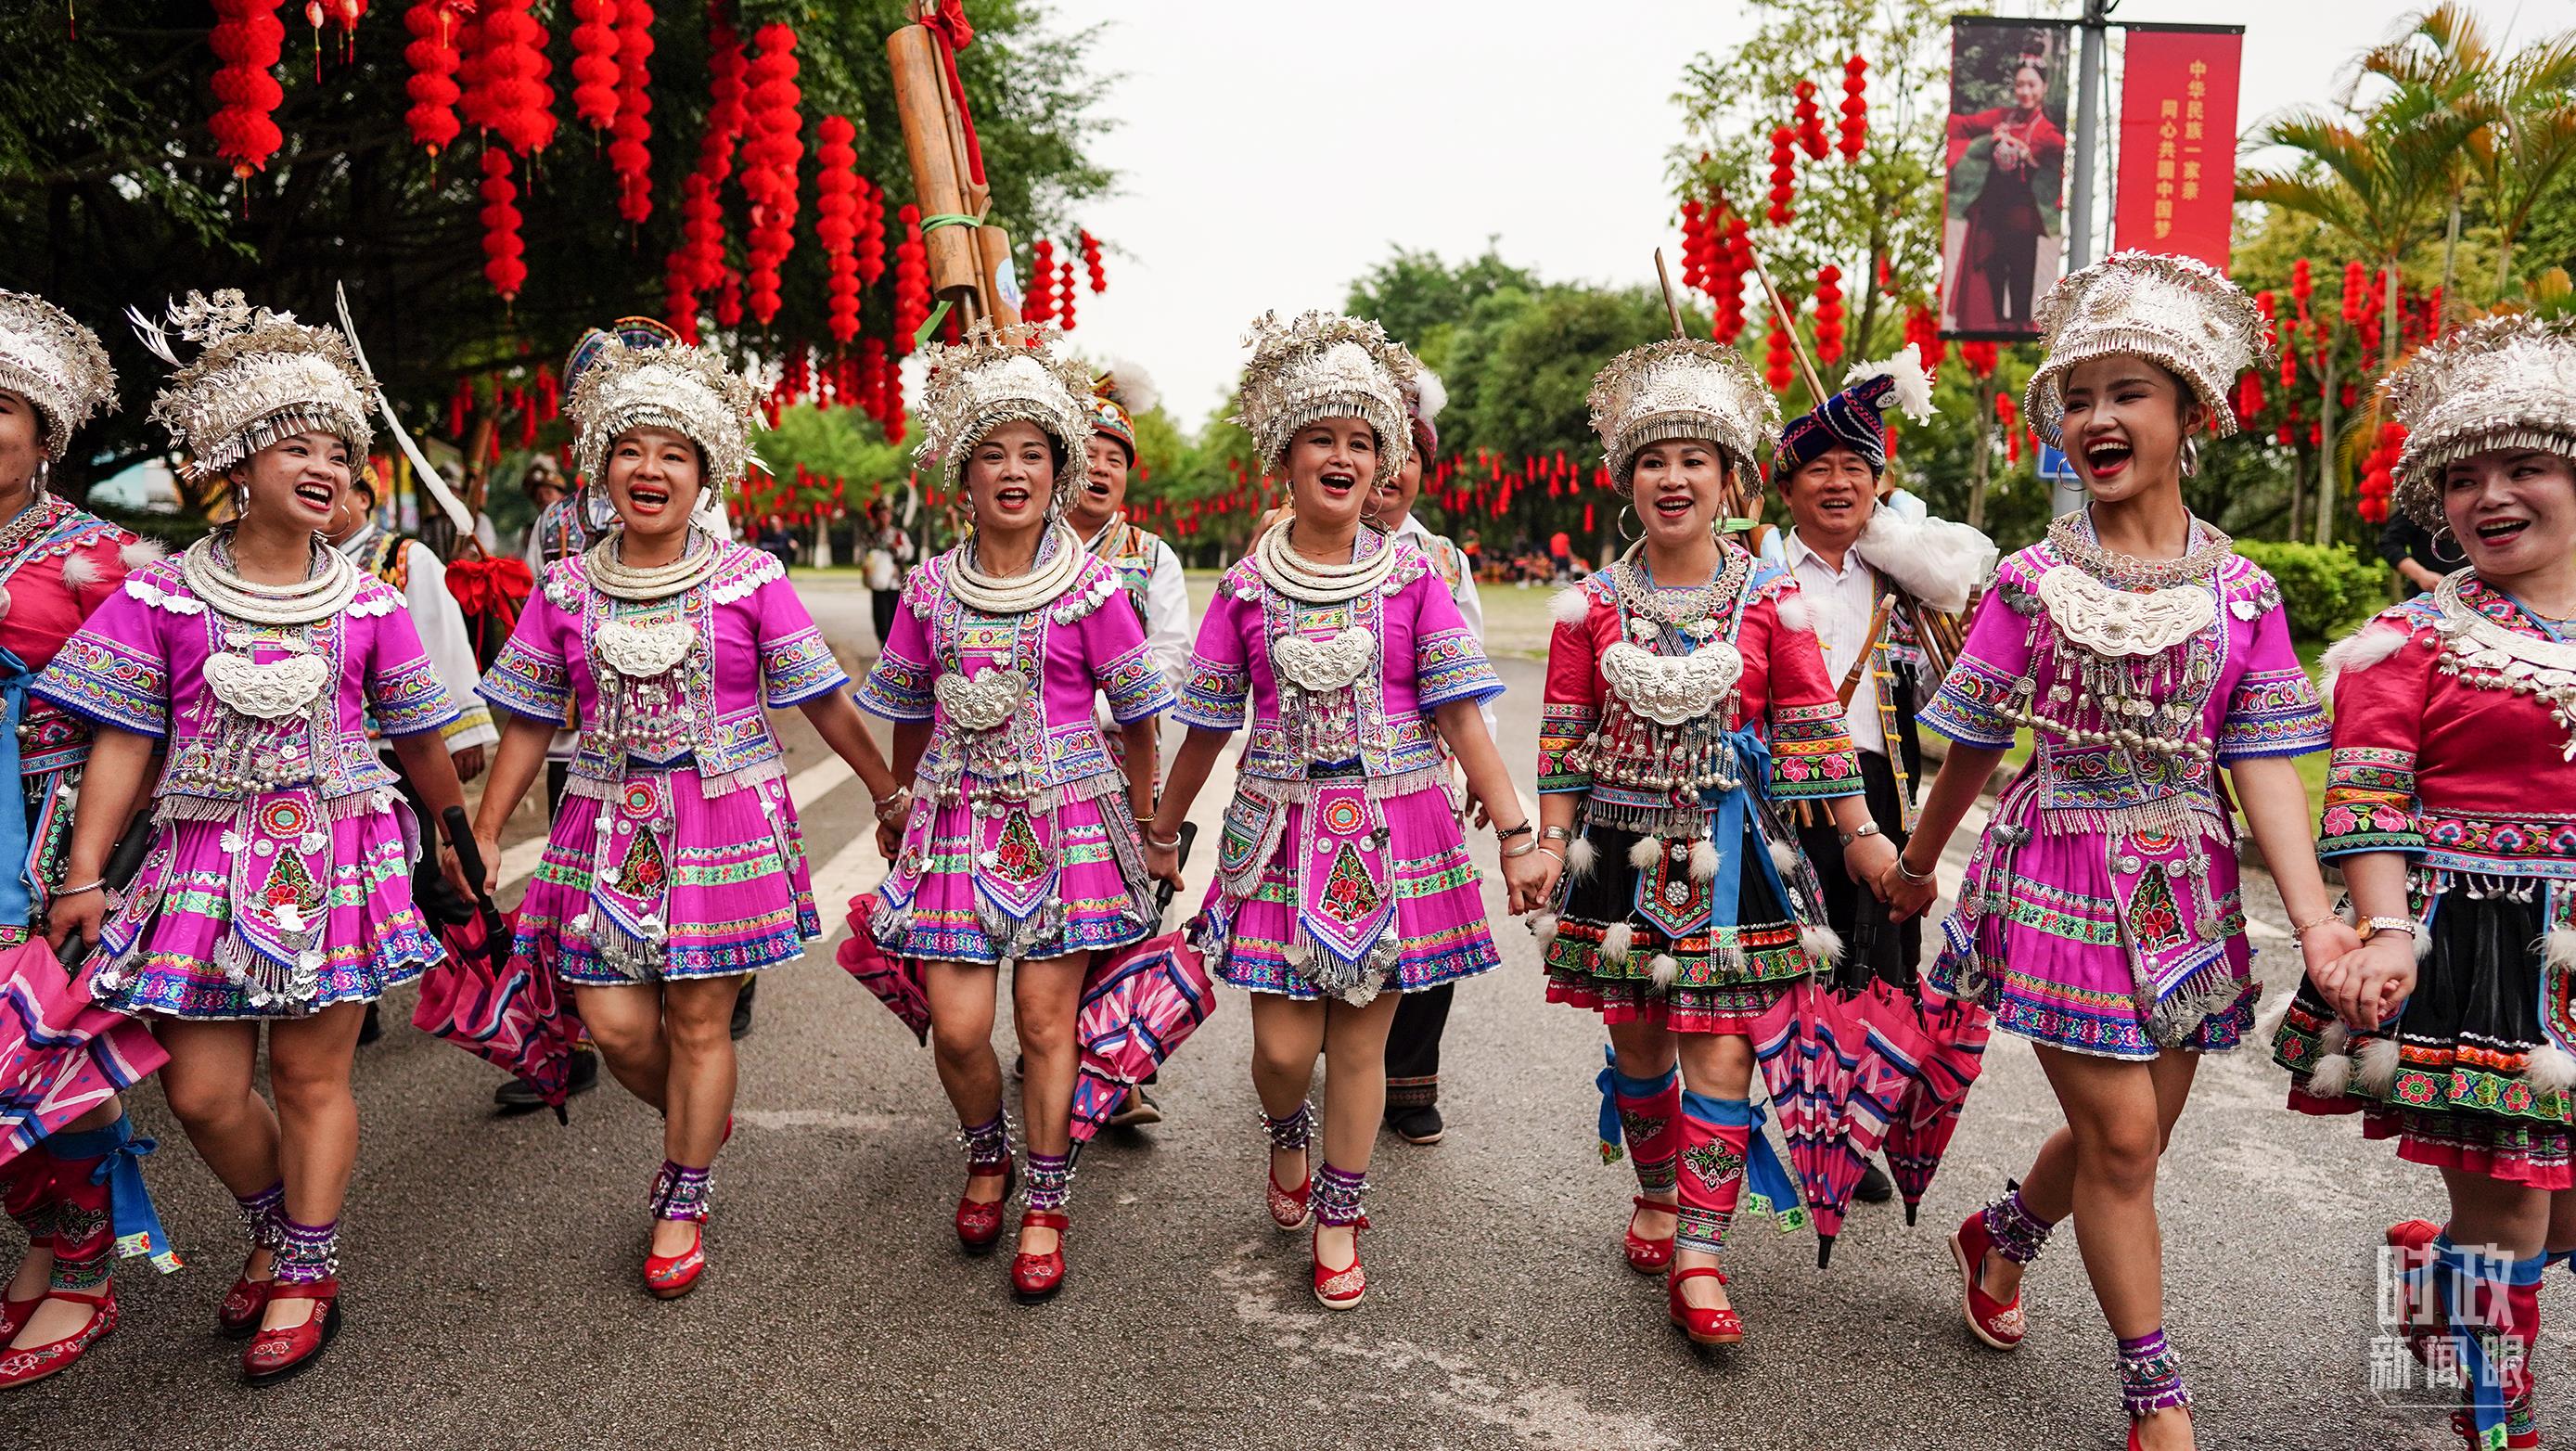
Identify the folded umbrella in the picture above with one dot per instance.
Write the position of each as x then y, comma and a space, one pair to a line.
1137, 1007
61, 1054
502, 1008
896, 981
1955, 1031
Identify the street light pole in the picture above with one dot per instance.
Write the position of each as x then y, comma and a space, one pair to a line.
2066, 495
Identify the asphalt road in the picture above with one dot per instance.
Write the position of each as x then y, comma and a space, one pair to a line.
493, 1300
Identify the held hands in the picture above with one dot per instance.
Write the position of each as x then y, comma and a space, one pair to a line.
1529, 880
490, 847
2366, 984
1904, 898
1867, 859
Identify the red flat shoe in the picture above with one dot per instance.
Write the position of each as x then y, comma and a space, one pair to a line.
979, 1221
20, 1367
1340, 1289
668, 1277
1704, 1327
243, 1304
1998, 1323
2186, 1415
1036, 1278
2413, 1241
1290, 1209
1648, 1256
275, 1355
14, 1315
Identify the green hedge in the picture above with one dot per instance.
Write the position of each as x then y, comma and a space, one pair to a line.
2328, 589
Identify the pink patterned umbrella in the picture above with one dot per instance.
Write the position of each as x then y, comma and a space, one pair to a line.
504, 1009
1955, 1032
1836, 1067
61, 1054
1137, 1007
896, 981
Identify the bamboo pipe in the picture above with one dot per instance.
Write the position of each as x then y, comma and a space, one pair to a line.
1789, 325
957, 269
1672, 309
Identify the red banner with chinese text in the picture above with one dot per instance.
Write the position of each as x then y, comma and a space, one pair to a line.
2177, 184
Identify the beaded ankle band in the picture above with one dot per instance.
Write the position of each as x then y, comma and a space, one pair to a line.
307, 1252
988, 1144
2018, 1234
1337, 1196
2151, 1376
1050, 1180
262, 1213
1293, 1132
680, 1192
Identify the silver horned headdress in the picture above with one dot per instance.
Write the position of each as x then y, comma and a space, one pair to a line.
640, 375
56, 364
1683, 388
2175, 311
1325, 365
2500, 382
1014, 374
258, 376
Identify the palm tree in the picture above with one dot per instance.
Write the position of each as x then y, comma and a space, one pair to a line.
2536, 98
2444, 56
2377, 180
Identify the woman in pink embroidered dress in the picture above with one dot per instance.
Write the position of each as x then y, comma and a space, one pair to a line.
676, 867
277, 891
1342, 878
1025, 847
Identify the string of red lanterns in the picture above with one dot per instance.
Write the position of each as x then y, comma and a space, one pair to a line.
836, 206
629, 156
1039, 305
503, 250
248, 38
1855, 109
594, 62
1829, 314
1091, 262
1809, 121
771, 151
432, 88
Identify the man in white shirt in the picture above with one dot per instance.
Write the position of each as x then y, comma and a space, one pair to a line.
415, 569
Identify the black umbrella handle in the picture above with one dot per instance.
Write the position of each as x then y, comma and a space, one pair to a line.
469, 855
123, 861
1163, 890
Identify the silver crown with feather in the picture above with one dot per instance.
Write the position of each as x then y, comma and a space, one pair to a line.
259, 376
1014, 374
1683, 388
56, 364
1325, 365
2176, 311
688, 390
2506, 382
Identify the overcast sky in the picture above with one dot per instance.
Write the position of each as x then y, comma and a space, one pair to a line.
1268, 153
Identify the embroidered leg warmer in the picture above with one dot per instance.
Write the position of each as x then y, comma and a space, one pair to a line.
1715, 1135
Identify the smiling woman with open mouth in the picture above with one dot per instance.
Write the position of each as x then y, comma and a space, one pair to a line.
2450, 803
2099, 916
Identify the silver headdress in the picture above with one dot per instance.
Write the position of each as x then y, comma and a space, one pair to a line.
1325, 365
995, 376
258, 376
640, 375
1683, 388
2499, 382
2176, 311
57, 364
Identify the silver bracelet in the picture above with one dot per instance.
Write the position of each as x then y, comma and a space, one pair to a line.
1522, 850
1910, 876
1159, 844
1867, 828
82, 890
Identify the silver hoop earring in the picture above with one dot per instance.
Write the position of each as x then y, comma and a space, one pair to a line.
241, 500
2447, 543
2190, 457
1625, 511
43, 479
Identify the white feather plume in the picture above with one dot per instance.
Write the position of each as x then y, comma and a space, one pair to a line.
2378, 1067
2334, 1039
1664, 969
1703, 860
1542, 926
1934, 560
79, 572
2359, 650
1132, 386
1784, 857
1794, 616
1644, 852
1616, 941
142, 552
1580, 855
2552, 1069
1432, 395
1913, 392
2560, 945
2332, 1076
155, 341
2423, 944
1570, 605
5, 602
1823, 944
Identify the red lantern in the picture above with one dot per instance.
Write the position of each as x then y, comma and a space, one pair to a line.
432, 57
501, 245
2249, 396
1734, 260
1980, 358
1091, 263
1829, 314
1779, 365
911, 285
726, 116
771, 151
594, 62
2302, 287
1064, 296
1039, 304
1694, 246
248, 38
1855, 108
1809, 121
836, 205
628, 155
1923, 330
515, 69
1784, 177
872, 259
